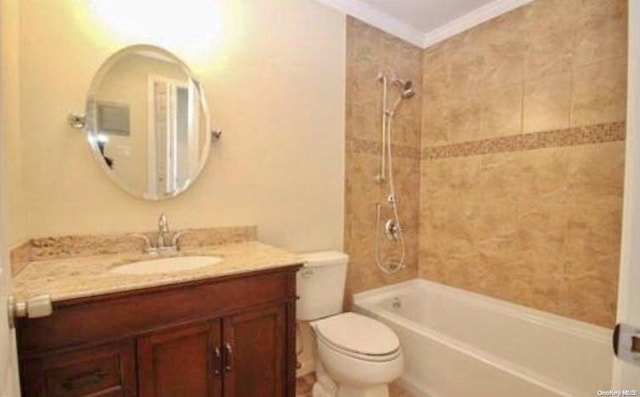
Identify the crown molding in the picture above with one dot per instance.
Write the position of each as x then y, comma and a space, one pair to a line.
471, 19
363, 11
381, 20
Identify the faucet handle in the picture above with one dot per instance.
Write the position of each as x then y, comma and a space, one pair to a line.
147, 242
175, 241
163, 223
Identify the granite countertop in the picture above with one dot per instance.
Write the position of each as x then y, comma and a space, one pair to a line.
76, 277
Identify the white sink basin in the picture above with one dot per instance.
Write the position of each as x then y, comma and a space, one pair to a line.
166, 265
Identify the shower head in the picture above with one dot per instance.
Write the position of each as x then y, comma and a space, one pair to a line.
406, 92
406, 86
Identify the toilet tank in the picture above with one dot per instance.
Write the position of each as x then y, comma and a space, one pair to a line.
320, 284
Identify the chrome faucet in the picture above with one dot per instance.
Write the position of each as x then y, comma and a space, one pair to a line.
163, 243
163, 229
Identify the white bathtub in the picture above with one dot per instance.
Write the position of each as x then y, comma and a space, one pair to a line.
457, 343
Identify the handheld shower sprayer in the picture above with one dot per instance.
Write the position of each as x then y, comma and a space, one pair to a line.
392, 227
406, 87
406, 92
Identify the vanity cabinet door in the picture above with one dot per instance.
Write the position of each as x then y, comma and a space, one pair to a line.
106, 371
255, 353
181, 362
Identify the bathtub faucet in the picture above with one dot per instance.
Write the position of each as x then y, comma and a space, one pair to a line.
396, 303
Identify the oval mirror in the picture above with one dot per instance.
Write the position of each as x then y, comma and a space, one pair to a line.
147, 122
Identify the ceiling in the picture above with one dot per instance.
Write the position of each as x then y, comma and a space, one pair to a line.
424, 22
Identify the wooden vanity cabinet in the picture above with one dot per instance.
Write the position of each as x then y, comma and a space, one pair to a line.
223, 337
180, 362
252, 343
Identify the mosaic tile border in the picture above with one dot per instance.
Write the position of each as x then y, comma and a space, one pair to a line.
590, 134
363, 146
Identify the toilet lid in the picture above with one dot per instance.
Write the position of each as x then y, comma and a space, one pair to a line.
359, 334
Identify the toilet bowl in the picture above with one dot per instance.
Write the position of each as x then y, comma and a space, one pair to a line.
357, 356
361, 355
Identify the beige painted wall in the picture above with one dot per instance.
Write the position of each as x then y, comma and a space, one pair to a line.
274, 79
10, 121
11, 208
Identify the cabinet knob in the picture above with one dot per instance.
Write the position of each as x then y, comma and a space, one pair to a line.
228, 357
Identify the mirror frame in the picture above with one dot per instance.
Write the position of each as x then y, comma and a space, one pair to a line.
92, 133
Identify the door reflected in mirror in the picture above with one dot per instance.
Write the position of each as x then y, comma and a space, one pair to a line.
147, 122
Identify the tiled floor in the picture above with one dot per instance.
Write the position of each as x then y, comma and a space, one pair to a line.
305, 383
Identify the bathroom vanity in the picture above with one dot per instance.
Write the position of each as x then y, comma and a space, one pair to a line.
222, 330
121, 319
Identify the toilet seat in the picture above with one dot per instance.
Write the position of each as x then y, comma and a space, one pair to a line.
358, 336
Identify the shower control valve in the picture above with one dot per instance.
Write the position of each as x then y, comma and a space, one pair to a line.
392, 230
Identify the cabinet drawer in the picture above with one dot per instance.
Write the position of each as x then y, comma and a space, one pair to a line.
106, 370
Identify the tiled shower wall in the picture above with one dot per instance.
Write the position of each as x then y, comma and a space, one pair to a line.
523, 157
518, 161
369, 52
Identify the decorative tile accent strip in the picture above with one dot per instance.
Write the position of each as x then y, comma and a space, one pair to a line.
371, 147
597, 133
75, 246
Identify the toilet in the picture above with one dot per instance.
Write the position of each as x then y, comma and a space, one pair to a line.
357, 356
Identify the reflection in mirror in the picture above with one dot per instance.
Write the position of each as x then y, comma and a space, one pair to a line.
147, 122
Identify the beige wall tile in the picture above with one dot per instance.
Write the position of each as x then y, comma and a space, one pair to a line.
370, 51
363, 273
503, 49
596, 170
466, 62
475, 75
548, 30
593, 231
601, 31
547, 103
536, 227
592, 238
501, 109
550, 292
436, 122
590, 299
436, 74
528, 227
599, 92
462, 119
